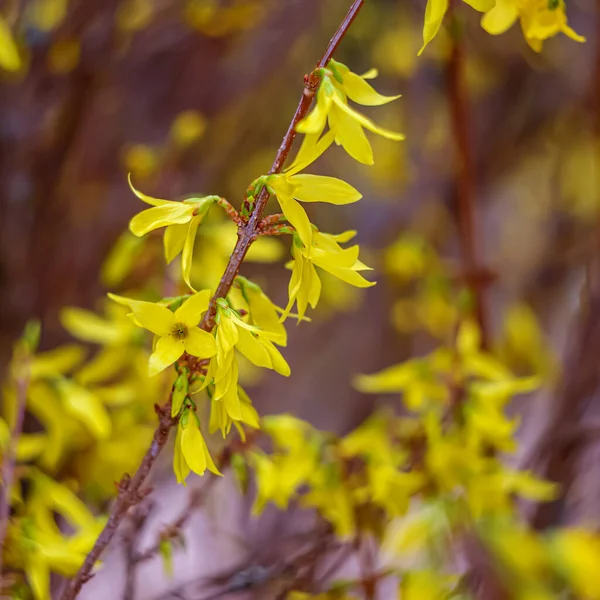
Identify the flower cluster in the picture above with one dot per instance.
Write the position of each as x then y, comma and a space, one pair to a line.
246, 323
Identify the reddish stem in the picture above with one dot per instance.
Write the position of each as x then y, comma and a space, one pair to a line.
465, 181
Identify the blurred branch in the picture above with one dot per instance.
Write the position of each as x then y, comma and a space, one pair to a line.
130, 492
137, 521
465, 175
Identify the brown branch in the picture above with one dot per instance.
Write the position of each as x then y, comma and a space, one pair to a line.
130, 489
137, 521
465, 177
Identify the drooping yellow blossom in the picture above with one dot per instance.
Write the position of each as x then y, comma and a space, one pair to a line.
177, 332
540, 20
347, 125
256, 344
326, 253
279, 476
262, 312
191, 452
289, 187
181, 220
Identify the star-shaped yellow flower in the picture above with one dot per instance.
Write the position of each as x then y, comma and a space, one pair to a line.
325, 253
181, 220
177, 332
339, 84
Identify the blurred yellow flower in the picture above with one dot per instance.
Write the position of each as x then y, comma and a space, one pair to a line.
10, 60
540, 20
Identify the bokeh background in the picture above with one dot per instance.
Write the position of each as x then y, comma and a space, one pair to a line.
192, 98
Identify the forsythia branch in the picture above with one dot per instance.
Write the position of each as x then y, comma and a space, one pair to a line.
130, 491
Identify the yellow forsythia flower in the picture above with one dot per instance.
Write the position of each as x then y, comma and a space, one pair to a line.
327, 254
191, 452
256, 344
177, 331
181, 220
346, 124
290, 187
539, 19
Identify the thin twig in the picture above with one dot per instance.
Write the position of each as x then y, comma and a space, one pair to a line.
8, 464
130, 489
465, 179
137, 520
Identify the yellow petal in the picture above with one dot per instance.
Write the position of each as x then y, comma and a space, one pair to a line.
320, 188
294, 285
9, 53
154, 317
500, 18
227, 334
199, 343
366, 123
371, 74
144, 198
193, 446
350, 134
38, 575
391, 379
160, 216
572, 34
312, 147
361, 92
57, 361
86, 407
250, 346
89, 327
297, 216
180, 466
279, 364
191, 310
434, 15
315, 121
314, 290
174, 240
347, 275
167, 351
188, 250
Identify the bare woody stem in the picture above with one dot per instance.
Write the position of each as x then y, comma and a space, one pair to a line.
465, 179
130, 492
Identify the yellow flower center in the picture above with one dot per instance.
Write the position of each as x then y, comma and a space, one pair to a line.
179, 331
